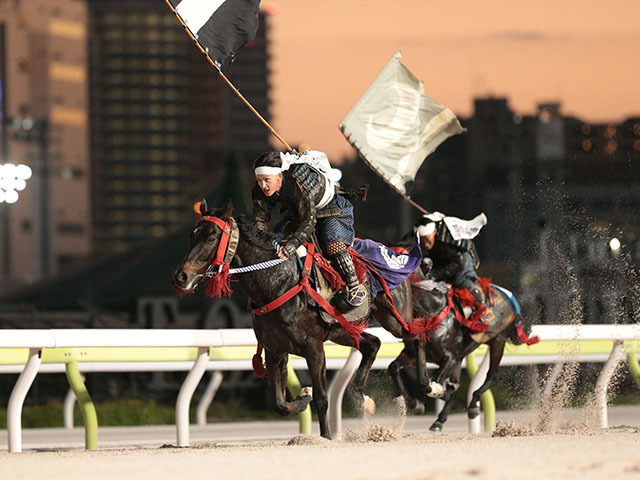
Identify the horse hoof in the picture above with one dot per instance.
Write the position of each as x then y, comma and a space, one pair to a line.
368, 406
436, 390
306, 392
473, 412
419, 409
436, 427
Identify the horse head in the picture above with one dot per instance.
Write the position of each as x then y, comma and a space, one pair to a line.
211, 244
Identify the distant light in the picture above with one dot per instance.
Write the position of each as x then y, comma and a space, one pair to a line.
23, 172
196, 207
11, 196
614, 245
271, 9
19, 185
27, 124
13, 179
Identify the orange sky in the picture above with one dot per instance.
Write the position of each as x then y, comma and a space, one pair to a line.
326, 53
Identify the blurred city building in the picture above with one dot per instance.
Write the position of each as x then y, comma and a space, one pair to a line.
163, 123
562, 198
124, 123
44, 124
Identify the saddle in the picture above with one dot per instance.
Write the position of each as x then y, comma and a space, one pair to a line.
483, 328
496, 323
323, 287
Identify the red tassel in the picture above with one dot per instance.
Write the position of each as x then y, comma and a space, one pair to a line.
487, 289
524, 338
328, 272
360, 267
474, 322
466, 297
220, 284
180, 292
355, 329
422, 326
258, 367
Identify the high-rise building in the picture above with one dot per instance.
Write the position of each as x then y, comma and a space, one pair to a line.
163, 122
44, 105
564, 228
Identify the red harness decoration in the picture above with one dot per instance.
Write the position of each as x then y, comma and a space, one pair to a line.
220, 284
474, 322
431, 324
414, 328
524, 338
354, 330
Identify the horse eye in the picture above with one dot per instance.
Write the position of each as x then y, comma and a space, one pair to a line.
211, 240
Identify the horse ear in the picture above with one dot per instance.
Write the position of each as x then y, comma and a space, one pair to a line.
203, 207
228, 210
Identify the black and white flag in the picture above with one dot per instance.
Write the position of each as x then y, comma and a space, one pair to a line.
221, 27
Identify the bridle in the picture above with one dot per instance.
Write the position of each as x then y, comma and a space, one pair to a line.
227, 249
226, 246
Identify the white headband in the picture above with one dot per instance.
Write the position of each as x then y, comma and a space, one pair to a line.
267, 171
424, 230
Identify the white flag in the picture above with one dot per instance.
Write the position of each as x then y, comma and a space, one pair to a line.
395, 126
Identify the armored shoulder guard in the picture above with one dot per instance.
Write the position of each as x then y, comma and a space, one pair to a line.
309, 180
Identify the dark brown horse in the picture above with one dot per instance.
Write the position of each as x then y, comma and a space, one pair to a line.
295, 327
448, 346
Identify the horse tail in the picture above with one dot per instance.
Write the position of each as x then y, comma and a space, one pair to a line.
522, 335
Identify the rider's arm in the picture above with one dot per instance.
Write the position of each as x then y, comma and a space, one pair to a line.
304, 203
450, 261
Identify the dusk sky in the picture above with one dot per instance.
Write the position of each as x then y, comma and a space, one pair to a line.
325, 54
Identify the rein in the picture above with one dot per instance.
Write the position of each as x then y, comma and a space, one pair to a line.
249, 268
353, 330
220, 281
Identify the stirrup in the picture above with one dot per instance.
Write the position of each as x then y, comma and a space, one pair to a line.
356, 295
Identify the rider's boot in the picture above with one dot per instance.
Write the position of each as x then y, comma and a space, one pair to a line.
341, 260
477, 293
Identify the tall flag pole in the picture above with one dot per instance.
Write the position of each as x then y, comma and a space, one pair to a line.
219, 28
395, 126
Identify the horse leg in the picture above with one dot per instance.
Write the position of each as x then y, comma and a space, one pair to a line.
277, 374
496, 349
316, 363
369, 346
447, 368
406, 359
452, 384
427, 387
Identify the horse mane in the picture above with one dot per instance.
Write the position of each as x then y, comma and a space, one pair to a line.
260, 239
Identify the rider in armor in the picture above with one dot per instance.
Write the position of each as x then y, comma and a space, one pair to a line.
449, 259
304, 185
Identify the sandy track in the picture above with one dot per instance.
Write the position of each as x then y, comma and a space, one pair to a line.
605, 454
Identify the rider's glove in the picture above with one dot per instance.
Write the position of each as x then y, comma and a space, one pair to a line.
290, 248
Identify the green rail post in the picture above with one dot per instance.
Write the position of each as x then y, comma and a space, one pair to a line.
86, 405
295, 388
634, 367
487, 401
